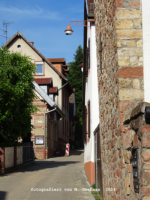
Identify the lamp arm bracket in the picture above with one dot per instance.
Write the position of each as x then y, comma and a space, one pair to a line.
82, 21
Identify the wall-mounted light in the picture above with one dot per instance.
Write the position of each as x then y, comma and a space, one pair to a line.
69, 30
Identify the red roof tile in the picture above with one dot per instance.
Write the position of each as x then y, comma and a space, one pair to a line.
56, 60
43, 81
53, 90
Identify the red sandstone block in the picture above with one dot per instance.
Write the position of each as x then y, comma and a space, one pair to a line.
119, 3
135, 141
146, 142
129, 168
121, 164
146, 157
134, 4
119, 173
145, 191
113, 142
121, 118
138, 123
125, 106
130, 72
145, 178
119, 131
114, 158
145, 129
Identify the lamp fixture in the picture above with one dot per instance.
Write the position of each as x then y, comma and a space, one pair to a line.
69, 30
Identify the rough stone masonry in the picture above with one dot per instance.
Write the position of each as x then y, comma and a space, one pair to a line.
121, 96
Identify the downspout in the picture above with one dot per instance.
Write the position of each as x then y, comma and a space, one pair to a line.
45, 130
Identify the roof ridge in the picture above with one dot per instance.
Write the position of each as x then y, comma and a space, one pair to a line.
46, 60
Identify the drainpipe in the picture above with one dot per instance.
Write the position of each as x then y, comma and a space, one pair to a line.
60, 89
45, 130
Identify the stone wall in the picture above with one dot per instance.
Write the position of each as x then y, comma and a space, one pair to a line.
120, 92
135, 135
108, 94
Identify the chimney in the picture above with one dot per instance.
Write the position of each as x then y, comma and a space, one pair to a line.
32, 43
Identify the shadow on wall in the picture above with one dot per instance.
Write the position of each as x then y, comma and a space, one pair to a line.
3, 195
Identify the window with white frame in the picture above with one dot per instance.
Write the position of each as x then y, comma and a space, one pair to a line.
39, 68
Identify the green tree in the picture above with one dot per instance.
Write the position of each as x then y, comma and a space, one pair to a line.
75, 78
16, 95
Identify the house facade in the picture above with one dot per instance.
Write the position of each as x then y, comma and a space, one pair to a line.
90, 92
65, 90
45, 133
50, 80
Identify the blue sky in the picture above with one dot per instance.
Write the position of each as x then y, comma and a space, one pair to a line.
44, 22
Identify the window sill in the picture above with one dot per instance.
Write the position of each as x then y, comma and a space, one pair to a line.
39, 74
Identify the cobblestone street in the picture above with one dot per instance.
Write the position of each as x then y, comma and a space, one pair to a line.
61, 173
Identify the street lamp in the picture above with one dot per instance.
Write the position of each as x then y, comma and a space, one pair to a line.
69, 30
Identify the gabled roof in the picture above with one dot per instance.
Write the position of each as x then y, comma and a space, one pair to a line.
43, 81
18, 34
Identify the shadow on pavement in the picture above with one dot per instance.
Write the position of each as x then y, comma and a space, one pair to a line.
47, 164
76, 152
3, 195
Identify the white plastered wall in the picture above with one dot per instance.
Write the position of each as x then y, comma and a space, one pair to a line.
146, 48
91, 93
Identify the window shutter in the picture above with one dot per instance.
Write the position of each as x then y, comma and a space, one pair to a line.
89, 119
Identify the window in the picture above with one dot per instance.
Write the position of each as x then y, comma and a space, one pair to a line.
39, 68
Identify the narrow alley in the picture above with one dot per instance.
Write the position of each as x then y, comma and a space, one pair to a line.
57, 173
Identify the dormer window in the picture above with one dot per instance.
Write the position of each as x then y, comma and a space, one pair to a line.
39, 68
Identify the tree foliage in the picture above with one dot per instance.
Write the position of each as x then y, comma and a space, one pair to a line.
16, 95
75, 78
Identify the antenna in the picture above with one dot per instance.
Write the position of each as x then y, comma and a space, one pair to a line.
5, 24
